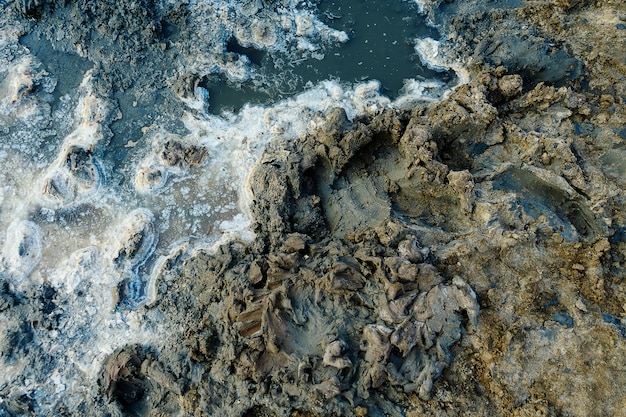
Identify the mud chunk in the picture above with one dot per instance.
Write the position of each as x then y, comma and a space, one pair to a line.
160, 375
270, 184
22, 249
171, 155
294, 243
266, 317
510, 85
20, 84
151, 177
333, 355
75, 174
340, 138
122, 380
377, 347
176, 154
411, 250
376, 343
396, 310
463, 183
344, 277
79, 163
401, 269
137, 240
420, 149
411, 333
191, 92
185, 86
258, 272
257, 35
328, 389
428, 277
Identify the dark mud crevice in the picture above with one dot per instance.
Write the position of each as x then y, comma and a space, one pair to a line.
136, 384
170, 29
258, 411
460, 156
17, 342
34, 9
123, 382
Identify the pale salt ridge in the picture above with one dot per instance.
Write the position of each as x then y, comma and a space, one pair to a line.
431, 56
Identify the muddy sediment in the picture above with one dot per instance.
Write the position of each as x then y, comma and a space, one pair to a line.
459, 257
508, 183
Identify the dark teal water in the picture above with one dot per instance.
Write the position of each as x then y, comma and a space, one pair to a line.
381, 43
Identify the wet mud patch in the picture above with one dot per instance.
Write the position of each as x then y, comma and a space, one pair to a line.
326, 322
72, 66
383, 180
541, 198
355, 205
521, 48
135, 383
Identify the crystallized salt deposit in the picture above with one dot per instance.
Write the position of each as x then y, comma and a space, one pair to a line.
428, 51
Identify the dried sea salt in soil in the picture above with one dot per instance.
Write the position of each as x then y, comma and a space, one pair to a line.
432, 242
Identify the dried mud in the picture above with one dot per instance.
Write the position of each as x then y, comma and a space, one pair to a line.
463, 257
